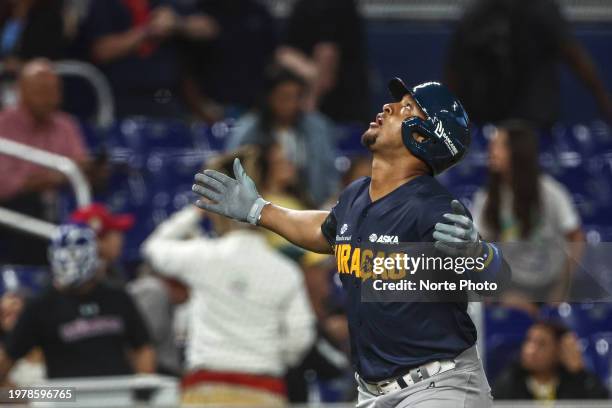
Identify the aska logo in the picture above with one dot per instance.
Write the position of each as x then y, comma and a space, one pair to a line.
384, 239
343, 228
441, 133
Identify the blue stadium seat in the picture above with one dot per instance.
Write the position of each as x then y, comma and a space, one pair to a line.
23, 278
505, 330
583, 318
143, 135
211, 138
599, 355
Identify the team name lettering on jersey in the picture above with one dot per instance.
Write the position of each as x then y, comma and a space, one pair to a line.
360, 262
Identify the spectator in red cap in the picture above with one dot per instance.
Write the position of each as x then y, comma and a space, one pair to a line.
110, 229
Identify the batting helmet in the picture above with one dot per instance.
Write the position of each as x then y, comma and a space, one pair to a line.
73, 255
445, 128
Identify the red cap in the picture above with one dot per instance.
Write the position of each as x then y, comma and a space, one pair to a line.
101, 220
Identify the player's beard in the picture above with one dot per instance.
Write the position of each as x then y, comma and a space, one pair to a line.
369, 138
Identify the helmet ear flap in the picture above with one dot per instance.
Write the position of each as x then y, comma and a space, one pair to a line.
419, 149
418, 125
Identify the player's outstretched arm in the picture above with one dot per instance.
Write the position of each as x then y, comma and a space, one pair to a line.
303, 228
238, 198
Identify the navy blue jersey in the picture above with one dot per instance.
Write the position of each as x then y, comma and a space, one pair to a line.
389, 338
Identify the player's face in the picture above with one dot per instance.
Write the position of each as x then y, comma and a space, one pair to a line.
385, 132
539, 351
499, 152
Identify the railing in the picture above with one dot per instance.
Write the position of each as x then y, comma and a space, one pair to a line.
106, 103
52, 161
574, 10
120, 391
105, 115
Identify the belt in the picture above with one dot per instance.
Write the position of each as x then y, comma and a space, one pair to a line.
269, 383
412, 377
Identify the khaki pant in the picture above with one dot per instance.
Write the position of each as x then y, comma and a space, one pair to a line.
464, 386
230, 394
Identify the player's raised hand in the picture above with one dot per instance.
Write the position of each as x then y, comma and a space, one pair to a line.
458, 235
235, 198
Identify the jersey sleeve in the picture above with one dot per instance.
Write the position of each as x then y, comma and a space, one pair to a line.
25, 335
329, 227
431, 213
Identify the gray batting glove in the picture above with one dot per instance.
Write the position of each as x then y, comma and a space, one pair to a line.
234, 198
459, 236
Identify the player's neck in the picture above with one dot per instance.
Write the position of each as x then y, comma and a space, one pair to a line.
387, 175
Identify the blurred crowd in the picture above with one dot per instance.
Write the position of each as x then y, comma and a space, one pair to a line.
238, 314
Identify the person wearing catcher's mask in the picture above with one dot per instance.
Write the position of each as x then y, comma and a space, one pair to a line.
83, 326
405, 354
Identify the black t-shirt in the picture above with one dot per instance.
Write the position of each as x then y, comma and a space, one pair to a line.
504, 57
145, 82
512, 385
80, 335
42, 33
230, 68
389, 338
316, 21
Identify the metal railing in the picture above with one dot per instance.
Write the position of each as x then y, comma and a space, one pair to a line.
106, 104
105, 114
49, 160
433, 10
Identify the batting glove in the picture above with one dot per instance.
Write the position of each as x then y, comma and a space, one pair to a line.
459, 235
235, 198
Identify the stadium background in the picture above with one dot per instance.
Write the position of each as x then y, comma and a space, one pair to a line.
152, 161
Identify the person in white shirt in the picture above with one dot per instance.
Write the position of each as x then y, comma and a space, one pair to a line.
532, 213
250, 316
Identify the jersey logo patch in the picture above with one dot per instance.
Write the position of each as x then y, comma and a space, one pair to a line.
343, 228
384, 239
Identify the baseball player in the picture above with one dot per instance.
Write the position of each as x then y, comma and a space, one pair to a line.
405, 354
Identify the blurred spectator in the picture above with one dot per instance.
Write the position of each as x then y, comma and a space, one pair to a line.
133, 42
31, 368
84, 327
31, 189
30, 29
229, 69
250, 315
327, 361
157, 297
110, 230
504, 57
331, 57
307, 138
279, 182
360, 166
533, 212
551, 368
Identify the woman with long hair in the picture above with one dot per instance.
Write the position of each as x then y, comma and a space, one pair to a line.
307, 139
531, 212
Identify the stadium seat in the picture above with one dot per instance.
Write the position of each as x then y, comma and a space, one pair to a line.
504, 332
23, 278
